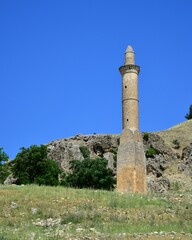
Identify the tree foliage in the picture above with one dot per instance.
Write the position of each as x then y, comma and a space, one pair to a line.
3, 156
4, 167
90, 173
189, 115
32, 165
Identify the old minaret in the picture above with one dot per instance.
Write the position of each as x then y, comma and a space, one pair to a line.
131, 166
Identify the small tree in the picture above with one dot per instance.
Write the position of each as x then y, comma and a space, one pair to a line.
4, 168
90, 173
176, 144
189, 115
32, 165
3, 156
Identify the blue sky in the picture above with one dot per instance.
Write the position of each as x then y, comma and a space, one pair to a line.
59, 66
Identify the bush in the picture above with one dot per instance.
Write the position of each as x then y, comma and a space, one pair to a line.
176, 144
146, 136
85, 151
90, 173
4, 166
189, 115
151, 152
31, 165
3, 156
2, 237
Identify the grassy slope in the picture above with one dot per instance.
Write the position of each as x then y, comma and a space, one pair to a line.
182, 132
32, 212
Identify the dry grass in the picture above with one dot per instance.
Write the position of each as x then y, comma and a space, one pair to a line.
33, 212
182, 132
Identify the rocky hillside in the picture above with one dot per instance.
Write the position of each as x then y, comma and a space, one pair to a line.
169, 162
179, 139
181, 132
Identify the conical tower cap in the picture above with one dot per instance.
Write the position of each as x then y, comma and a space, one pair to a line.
129, 49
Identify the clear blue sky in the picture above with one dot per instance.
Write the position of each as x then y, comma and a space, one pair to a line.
59, 66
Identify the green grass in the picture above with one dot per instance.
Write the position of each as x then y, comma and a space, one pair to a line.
33, 212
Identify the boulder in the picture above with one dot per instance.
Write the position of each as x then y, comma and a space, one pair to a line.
10, 180
186, 166
161, 184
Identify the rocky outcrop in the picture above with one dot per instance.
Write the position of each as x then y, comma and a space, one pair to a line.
63, 151
165, 153
158, 157
160, 184
99, 145
158, 154
186, 165
103, 145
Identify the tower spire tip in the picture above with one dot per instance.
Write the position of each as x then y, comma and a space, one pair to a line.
129, 49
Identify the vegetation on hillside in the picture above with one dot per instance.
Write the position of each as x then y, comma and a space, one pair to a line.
176, 144
90, 173
4, 167
189, 115
85, 151
32, 165
150, 152
180, 132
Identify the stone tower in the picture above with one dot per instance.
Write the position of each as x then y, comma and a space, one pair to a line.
131, 166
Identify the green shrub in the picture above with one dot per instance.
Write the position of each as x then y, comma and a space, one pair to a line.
4, 166
151, 152
63, 179
32, 165
176, 144
189, 115
85, 151
2, 237
115, 160
3, 156
145, 136
90, 173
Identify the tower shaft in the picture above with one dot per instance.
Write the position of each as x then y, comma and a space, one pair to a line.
130, 99
131, 167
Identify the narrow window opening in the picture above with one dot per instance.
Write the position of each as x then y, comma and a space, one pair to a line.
127, 120
125, 86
